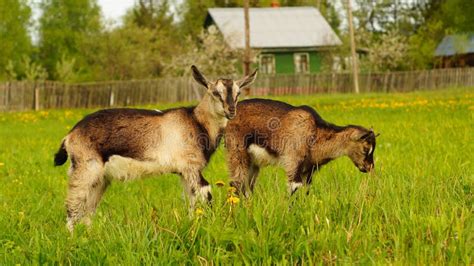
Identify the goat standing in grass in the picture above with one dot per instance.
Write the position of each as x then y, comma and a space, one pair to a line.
267, 132
126, 144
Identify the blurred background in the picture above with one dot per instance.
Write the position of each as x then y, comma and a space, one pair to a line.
91, 40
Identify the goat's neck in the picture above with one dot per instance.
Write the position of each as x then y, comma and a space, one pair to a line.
330, 144
206, 115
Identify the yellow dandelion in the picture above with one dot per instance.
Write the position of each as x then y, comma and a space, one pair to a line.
232, 189
199, 212
2, 164
233, 200
220, 183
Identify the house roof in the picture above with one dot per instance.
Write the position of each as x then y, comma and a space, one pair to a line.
283, 27
456, 44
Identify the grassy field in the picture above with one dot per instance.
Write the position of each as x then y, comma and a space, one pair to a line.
417, 209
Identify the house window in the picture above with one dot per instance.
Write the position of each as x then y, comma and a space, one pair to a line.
267, 64
301, 63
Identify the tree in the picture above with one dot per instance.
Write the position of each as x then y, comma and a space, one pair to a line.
438, 19
128, 52
25, 69
193, 16
15, 40
458, 16
64, 27
65, 70
389, 53
209, 51
152, 14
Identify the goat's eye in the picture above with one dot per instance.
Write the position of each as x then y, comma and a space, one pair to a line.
216, 93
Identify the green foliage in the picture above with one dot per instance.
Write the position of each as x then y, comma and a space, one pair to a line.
458, 16
65, 70
152, 14
26, 69
420, 25
14, 38
440, 19
75, 45
32, 70
193, 16
415, 209
422, 45
65, 26
128, 52
10, 72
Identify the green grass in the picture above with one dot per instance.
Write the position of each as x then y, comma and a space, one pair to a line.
417, 209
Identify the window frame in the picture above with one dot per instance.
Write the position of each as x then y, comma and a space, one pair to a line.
273, 65
295, 56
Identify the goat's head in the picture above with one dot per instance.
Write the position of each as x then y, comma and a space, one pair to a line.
224, 93
361, 148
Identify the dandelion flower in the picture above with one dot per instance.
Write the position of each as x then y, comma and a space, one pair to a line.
199, 211
2, 164
233, 200
220, 183
232, 189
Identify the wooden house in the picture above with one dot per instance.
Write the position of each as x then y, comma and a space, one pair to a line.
456, 51
289, 39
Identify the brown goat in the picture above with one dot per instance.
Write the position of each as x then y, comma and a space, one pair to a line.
126, 144
267, 132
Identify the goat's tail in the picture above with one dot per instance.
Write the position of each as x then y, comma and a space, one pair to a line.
61, 156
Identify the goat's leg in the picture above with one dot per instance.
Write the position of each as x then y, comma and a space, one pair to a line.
300, 175
253, 173
83, 188
96, 191
239, 167
197, 188
294, 173
308, 174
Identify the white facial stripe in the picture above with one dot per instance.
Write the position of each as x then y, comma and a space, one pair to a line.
220, 87
235, 91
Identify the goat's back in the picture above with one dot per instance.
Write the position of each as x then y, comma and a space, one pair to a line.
265, 122
129, 132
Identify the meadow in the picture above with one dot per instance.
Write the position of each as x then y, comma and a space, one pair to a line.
416, 209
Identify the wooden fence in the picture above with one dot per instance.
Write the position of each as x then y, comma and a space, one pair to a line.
26, 95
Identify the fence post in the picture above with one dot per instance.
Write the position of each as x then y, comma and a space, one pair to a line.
36, 96
111, 97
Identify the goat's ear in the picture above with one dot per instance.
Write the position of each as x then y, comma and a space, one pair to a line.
199, 77
373, 132
361, 135
247, 80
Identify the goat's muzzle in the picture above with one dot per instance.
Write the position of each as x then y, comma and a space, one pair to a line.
367, 168
231, 113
